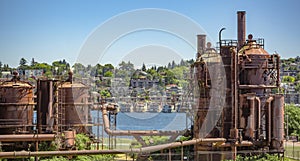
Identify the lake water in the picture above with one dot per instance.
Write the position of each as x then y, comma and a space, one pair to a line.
144, 121
148, 121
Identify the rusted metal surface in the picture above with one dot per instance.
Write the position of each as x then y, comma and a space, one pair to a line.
16, 92
73, 105
69, 138
16, 107
27, 137
241, 28
252, 113
277, 122
201, 45
258, 117
62, 105
149, 149
45, 105
269, 118
251, 120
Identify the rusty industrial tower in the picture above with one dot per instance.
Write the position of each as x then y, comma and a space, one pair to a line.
252, 116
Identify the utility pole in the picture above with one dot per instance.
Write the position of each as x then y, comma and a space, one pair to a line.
287, 127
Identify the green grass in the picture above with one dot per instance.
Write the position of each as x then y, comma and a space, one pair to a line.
290, 151
122, 143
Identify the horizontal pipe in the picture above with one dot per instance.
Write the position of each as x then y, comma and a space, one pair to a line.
27, 137
26, 154
133, 132
255, 86
23, 154
241, 144
179, 144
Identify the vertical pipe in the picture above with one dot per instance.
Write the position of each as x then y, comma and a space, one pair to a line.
220, 38
57, 91
241, 18
201, 42
278, 71
170, 155
233, 90
269, 100
258, 115
36, 158
38, 109
98, 127
235, 87
251, 119
241, 118
29, 116
50, 104
278, 119
234, 100
181, 153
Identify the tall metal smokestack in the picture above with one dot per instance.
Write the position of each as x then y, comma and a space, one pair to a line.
201, 42
241, 18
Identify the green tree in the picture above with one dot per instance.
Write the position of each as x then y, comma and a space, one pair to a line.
46, 67
78, 68
109, 67
144, 67
126, 66
108, 74
170, 77
23, 62
294, 119
60, 67
33, 62
180, 73
182, 62
288, 79
6, 67
173, 64
169, 66
292, 60
297, 87
298, 77
105, 93
106, 68
153, 73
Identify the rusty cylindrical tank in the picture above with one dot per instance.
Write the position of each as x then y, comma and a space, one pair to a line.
73, 105
16, 107
253, 63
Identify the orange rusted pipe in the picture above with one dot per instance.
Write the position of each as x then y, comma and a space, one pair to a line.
24, 154
269, 100
27, 137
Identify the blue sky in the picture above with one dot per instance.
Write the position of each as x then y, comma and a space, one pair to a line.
56, 30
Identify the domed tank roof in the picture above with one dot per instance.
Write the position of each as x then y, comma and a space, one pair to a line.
72, 85
210, 54
252, 48
16, 84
